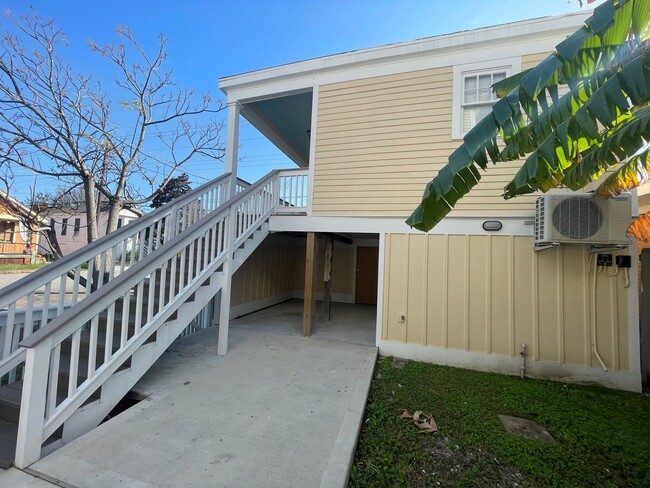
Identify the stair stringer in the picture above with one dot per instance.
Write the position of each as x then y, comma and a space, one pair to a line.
119, 384
249, 245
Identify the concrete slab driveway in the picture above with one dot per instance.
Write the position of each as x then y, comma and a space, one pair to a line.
277, 411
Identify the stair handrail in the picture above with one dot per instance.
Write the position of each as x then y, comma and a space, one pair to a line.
156, 255
41, 413
151, 228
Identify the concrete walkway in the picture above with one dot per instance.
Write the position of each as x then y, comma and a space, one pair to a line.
356, 324
277, 411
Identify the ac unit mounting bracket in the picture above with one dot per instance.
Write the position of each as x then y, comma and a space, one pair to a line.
592, 249
545, 245
614, 247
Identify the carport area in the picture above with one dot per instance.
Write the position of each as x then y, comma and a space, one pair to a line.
277, 410
353, 323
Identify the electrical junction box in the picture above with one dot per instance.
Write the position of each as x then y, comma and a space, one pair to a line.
604, 260
624, 261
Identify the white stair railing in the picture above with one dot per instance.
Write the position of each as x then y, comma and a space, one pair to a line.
60, 285
192, 258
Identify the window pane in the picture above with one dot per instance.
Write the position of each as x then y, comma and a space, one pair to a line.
478, 96
470, 89
484, 88
499, 76
472, 115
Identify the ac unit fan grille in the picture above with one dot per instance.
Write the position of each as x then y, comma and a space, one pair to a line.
577, 218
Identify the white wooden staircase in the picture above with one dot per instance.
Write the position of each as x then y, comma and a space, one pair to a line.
66, 362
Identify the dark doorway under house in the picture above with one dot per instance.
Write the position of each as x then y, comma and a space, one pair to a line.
367, 274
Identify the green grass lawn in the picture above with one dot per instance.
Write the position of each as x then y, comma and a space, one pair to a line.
8, 268
603, 435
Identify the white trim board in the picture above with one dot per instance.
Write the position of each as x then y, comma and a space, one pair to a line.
570, 373
518, 226
380, 287
525, 37
312, 149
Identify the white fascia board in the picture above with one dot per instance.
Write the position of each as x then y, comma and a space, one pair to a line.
517, 226
526, 37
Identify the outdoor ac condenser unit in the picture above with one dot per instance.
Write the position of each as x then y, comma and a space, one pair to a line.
582, 218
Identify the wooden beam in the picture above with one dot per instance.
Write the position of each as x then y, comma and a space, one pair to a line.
310, 284
340, 238
327, 278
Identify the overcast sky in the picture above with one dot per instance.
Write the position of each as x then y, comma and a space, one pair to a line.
211, 39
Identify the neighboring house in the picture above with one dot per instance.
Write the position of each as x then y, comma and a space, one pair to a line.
18, 243
372, 127
70, 224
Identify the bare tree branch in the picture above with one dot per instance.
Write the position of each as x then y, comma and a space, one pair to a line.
56, 123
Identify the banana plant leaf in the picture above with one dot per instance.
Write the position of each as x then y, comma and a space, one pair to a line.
576, 151
640, 228
605, 66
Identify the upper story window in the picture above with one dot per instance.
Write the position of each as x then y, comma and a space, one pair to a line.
77, 226
478, 96
472, 91
64, 227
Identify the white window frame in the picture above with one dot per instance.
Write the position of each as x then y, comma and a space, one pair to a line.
509, 65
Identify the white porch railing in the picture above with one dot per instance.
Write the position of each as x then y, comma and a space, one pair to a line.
293, 191
191, 257
63, 283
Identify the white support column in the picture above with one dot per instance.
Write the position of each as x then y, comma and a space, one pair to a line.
230, 166
232, 147
32, 409
224, 312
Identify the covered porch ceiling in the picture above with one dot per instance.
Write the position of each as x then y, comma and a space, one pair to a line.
285, 121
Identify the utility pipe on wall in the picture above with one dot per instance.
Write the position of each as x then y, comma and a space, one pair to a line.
594, 337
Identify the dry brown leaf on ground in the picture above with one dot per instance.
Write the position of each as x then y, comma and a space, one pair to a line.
424, 421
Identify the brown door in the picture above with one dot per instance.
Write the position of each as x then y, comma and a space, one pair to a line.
367, 273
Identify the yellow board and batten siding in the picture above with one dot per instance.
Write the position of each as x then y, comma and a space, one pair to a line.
489, 294
277, 268
266, 273
380, 140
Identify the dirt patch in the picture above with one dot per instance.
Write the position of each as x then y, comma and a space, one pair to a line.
445, 463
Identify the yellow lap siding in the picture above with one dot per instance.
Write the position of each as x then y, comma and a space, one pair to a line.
380, 140
488, 294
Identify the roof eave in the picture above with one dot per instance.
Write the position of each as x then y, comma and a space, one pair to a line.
544, 26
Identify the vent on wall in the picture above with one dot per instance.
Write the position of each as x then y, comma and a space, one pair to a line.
581, 218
